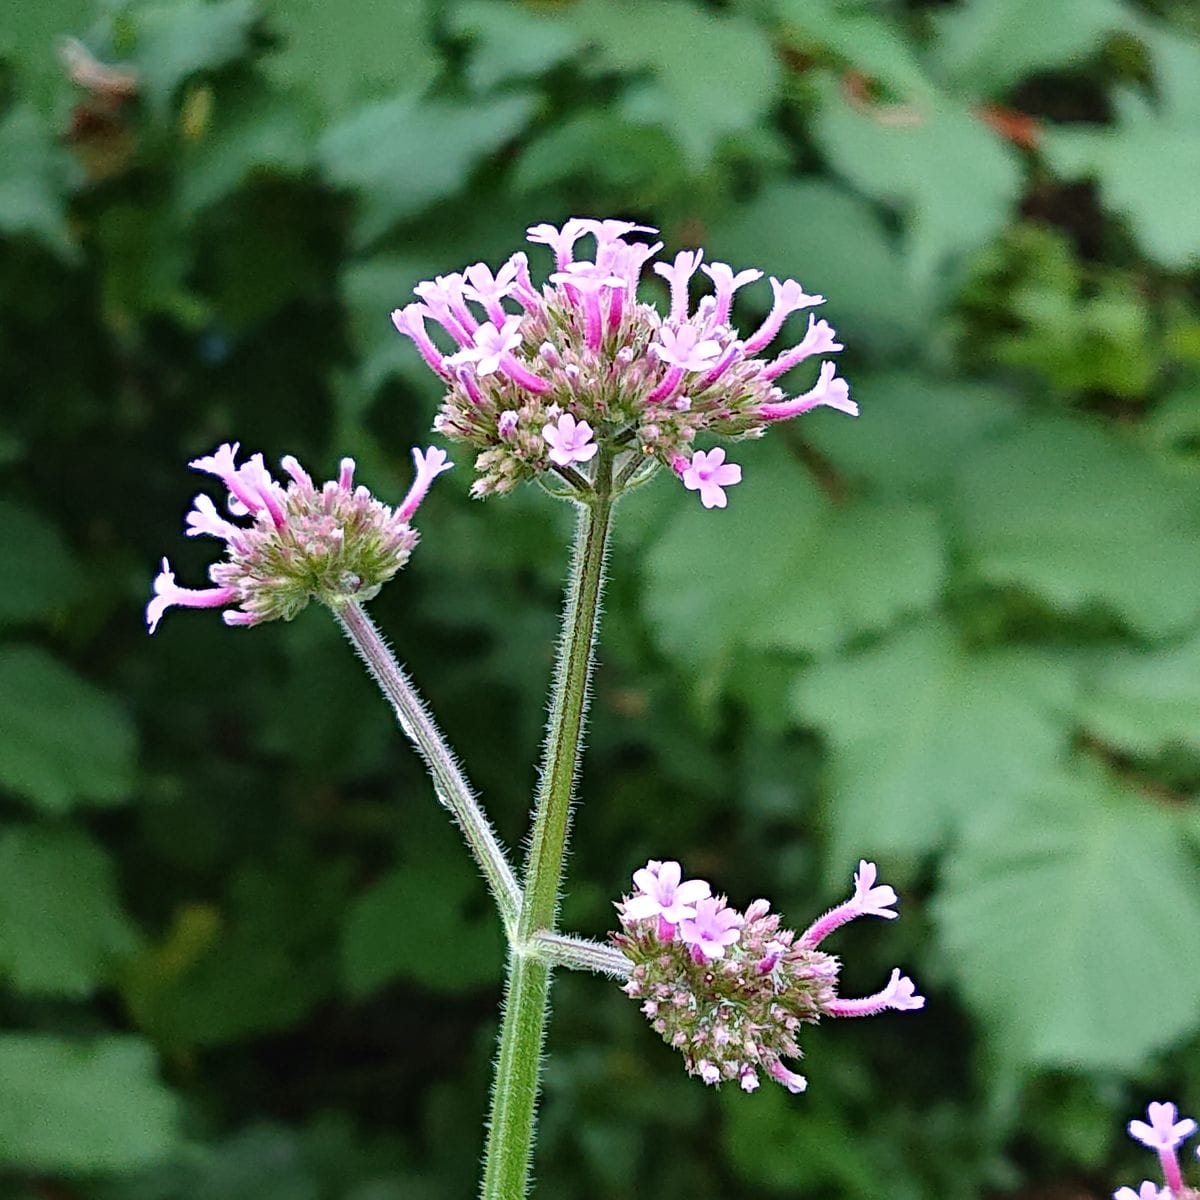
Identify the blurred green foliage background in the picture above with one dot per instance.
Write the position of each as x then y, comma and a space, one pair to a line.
242, 954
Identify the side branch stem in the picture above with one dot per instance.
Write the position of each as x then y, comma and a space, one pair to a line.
450, 786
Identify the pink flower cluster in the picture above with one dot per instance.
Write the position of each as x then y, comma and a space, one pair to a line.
731, 989
300, 542
541, 379
1164, 1132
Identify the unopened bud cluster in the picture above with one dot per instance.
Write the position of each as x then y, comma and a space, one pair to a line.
333, 543
1164, 1131
730, 990
586, 364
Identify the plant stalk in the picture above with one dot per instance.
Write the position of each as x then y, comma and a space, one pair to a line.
526, 1007
451, 788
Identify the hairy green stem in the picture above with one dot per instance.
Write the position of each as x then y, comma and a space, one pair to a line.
580, 954
522, 1030
449, 785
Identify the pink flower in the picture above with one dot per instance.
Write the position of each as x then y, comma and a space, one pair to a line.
491, 345
714, 927
1147, 1191
1164, 1133
678, 274
685, 348
828, 390
727, 283
868, 900
900, 994
709, 473
569, 442
790, 1080
661, 894
430, 464
168, 595
1164, 1130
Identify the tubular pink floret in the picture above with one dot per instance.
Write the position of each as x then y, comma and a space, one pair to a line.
789, 298
900, 994
790, 1079
168, 595
1165, 1132
713, 927
488, 289
828, 390
726, 284
662, 892
561, 241
292, 468
430, 464
868, 900
346, 474
821, 338
204, 519
410, 321
670, 381
679, 274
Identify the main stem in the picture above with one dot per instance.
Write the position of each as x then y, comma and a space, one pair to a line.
527, 992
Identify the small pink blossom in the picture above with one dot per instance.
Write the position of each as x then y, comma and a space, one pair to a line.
661, 894
709, 473
491, 345
727, 283
570, 442
1165, 1130
678, 274
789, 298
1165, 1133
790, 1079
168, 595
869, 900
685, 348
829, 390
900, 994
1147, 1191
430, 464
714, 927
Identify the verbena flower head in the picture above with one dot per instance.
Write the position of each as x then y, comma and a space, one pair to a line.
582, 378
730, 990
289, 544
1164, 1131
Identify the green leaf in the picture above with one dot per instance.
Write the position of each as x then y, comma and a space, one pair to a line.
177, 40
428, 922
82, 1106
33, 176
38, 575
403, 155
1143, 703
607, 151
1072, 922
822, 573
921, 732
1147, 165
62, 927
344, 54
265, 136
953, 180
29, 36
835, 244
510, 41
62, 740
708, 75
869, 41
986, 46
1084, 517
914, 431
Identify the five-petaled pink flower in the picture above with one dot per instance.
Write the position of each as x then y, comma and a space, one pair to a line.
1165, 1132
1147, 1191
714, 927
709, 473
661, 894
569, 441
